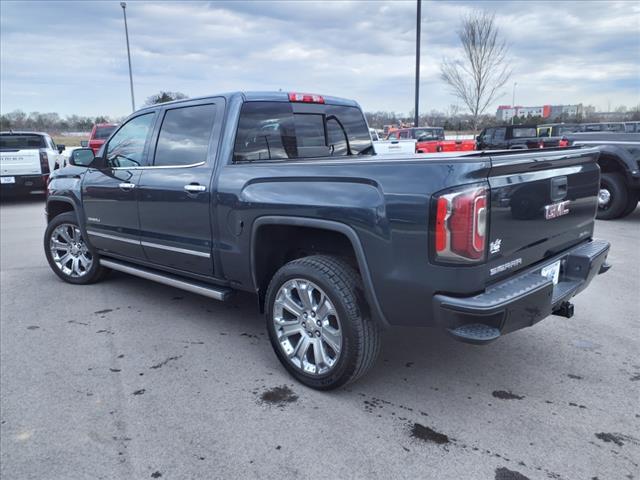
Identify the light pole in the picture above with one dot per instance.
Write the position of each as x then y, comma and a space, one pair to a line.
418, 19
126, 32
513, 102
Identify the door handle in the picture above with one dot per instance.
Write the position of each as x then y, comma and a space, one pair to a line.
127, 186
195, 188
559, 188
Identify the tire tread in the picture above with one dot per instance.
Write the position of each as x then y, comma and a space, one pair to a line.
349, 285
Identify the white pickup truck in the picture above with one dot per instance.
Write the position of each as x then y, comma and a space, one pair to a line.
26, 159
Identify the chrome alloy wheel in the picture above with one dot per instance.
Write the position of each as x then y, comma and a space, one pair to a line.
307, 326
69, 251
604, 197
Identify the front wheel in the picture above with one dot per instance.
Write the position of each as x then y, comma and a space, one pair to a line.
316, 323
67, 252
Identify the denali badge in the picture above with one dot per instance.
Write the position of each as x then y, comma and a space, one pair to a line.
494, 247
556, 210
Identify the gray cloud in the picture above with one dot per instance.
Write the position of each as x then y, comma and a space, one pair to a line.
70, 57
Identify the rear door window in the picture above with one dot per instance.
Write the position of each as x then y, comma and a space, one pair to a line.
281, 130
523, 132
184, 135
426, 134
544, 131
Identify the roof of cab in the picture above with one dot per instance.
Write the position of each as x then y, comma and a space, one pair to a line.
21, 132
258, 97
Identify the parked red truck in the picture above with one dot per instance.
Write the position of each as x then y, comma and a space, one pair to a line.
431, 140
99, 134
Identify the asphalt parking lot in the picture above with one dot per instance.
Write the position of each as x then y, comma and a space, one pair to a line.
130, 379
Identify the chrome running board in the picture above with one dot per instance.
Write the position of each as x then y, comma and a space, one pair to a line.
193, 286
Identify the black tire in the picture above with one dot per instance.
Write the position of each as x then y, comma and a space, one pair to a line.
615, 185
91, 275
360, 335
632, 203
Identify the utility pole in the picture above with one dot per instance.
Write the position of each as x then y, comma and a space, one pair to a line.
513, 102
418, 21
126, 32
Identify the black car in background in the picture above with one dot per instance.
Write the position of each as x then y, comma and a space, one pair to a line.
516, 137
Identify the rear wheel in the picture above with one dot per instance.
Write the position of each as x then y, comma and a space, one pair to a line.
613, 196
632, 202
67, 252
316, 322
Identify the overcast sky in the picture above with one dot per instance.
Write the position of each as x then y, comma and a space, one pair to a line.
70, 57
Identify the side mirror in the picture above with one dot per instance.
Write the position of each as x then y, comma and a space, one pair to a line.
81, 157
99, 163
61, 148
84, 143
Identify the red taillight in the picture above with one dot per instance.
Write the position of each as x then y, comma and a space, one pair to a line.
441, 229
44, 162
305, 98
461, 225
564, 142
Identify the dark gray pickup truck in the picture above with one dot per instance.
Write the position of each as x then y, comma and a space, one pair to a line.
283, 196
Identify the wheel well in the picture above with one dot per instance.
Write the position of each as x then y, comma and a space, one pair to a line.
276, 245
55, 208
610, 163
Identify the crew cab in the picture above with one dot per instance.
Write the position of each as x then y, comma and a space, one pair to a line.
282, 195
431, 140
99, 133
516, 137
26, 159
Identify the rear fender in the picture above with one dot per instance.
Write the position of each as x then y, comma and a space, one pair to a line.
370, 295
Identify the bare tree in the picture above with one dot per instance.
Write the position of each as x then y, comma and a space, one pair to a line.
163, 97
477, 78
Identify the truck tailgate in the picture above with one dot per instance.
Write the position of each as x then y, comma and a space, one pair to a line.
541, 204
20, 162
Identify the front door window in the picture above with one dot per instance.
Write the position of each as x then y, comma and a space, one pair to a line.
126, 147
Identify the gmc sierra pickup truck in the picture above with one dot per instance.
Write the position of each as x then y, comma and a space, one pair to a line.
282, 195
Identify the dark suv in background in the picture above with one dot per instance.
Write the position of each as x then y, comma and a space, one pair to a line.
516, 137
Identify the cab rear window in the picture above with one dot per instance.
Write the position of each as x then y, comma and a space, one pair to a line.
22, 142
281, 130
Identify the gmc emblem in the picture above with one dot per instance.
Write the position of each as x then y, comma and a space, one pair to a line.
556, 210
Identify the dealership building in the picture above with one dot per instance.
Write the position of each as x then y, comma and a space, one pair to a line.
506, 112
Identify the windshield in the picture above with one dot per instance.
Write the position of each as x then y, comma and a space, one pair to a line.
22, 142
102, 133
524, 132
424, 134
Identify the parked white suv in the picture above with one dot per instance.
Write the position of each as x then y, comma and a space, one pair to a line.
26, 159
